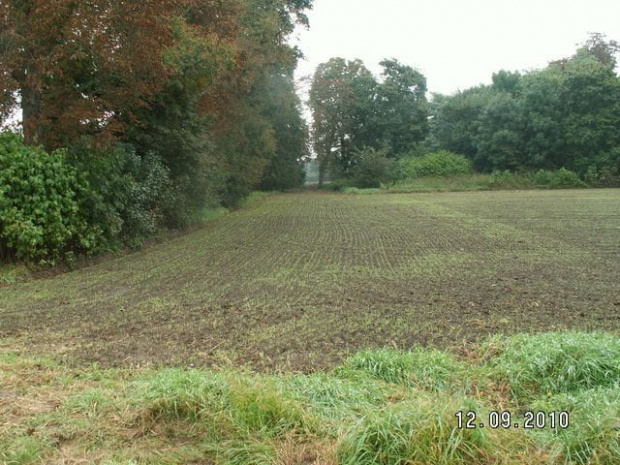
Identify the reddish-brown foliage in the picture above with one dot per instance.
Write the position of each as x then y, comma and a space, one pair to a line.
82, 67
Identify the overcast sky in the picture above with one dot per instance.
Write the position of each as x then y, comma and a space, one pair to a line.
456, 44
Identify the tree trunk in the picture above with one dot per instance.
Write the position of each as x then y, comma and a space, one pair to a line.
31, 111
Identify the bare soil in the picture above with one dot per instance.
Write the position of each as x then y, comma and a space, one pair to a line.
300, 280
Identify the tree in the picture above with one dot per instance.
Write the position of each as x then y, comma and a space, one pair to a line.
589, 101
352, 111
339, 92
542, 119
185, 85
82, 68
282, 108
604, 50
507, 81
249, 133
499, 143
566, 115
455, 119
402, 108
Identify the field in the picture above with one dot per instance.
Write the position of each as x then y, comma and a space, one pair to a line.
300, 281
330, 329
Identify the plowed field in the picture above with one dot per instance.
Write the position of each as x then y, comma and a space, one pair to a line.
300, 280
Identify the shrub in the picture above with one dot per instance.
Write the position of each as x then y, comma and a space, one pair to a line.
508, 179
442, 163
39, 203
127, 192
561, 178
604, 170
373, 167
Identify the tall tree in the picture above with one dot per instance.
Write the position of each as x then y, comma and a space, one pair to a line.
402, 108
282, 108
455, 119
340, 89
82, 68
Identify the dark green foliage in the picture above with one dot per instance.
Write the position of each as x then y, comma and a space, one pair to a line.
455, 119
564, 116
561, 178
127, 193
40, 217
282, 108
245, 151
604, 169
442, 163
590, 105
372, 168
498, 139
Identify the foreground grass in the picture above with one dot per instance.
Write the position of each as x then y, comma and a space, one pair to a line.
379, 407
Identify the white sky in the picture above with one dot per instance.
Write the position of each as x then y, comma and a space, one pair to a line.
456, 44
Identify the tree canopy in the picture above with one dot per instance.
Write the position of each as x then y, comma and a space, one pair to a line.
566, 115
200, 92
352, 110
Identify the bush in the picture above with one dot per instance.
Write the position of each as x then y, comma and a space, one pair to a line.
442, 163
508, 179
373, 167
39, 203
561, 178
604, 170
127, 192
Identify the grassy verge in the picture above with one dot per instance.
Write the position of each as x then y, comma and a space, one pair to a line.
379, 407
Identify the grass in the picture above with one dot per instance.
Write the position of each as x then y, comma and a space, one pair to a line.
423, 368
555, 362
383, 407
209, 214
321, 328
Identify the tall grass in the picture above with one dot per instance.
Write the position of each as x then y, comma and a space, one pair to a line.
381, 407
426, 369
594, 432
558, 362
417, 431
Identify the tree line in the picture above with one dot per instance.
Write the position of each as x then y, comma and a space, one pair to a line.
566, 115
149, 112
